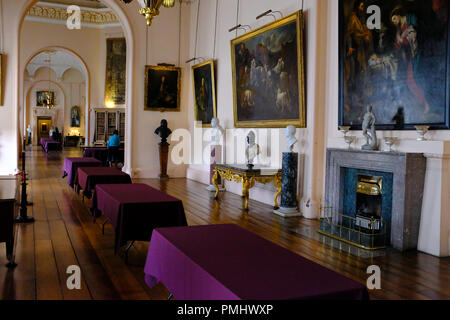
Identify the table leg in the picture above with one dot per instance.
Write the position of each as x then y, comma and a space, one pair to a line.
247, 184
215, 179
10, 254
103, 226
277, 183
126, 251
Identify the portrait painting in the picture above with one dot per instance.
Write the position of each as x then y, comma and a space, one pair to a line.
268, 75
116, 59
162, 88
42, 96
204, 92
75, 116
394, 56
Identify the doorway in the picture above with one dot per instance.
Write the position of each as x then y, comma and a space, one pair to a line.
43, 127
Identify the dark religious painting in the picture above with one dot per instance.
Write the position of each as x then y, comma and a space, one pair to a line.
204, 92
162, 88
75, 117
399, 66
268, 75
116, 59
42, 96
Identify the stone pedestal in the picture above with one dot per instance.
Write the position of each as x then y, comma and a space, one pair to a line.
216, 157
163, 159
289, 203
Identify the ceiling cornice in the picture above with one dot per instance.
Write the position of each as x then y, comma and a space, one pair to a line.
58, 13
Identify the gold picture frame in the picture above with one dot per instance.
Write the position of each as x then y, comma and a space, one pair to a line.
204, 92
269, 89
162, 88
115, 72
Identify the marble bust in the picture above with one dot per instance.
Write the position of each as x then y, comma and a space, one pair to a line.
252, 150
290, 135
369, 132
163, 131
217, 130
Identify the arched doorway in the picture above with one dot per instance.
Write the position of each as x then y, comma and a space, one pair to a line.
128, 34
81, 64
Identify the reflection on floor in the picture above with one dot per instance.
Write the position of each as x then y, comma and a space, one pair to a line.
64, 234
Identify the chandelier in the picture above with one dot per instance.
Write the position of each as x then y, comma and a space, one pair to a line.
150, 8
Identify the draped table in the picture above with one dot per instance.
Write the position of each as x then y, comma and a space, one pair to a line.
89, 177
226, 262
134, 210
72, 164
8, 195
101, 153
49, 144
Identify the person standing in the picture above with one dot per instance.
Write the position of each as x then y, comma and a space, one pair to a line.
113, 147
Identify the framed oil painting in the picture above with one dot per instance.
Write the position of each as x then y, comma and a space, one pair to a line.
41, 97
116, 59
268, 75
75, 115
400, 65
204, 92
162, 88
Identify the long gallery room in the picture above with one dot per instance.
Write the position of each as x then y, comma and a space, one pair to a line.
219, 150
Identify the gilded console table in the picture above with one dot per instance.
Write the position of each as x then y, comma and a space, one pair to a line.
248, 178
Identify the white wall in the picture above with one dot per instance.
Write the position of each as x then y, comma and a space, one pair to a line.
311, 137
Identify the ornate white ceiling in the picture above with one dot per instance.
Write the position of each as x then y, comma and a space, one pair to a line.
60, 62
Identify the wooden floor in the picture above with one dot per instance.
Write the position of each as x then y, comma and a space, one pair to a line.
65, 235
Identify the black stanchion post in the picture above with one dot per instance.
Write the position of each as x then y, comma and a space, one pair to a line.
23, 218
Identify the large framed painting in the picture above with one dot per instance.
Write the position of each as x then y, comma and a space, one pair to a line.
116, 59
394, 55
75, 117
42, 96
268, 75
204, 92
162, 88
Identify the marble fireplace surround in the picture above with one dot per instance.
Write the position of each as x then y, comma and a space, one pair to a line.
408, 171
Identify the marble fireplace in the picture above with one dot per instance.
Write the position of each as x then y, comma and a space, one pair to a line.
387, 185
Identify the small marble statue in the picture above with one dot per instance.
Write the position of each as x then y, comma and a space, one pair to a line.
217, 130
369, 132
290, 134
252, 150
163, 131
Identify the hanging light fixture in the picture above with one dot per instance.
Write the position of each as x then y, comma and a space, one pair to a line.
150, 8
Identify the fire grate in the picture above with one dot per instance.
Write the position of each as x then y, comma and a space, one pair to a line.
369, 234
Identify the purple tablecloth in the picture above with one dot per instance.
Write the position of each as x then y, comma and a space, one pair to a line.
101, 153
134, 210
226, 262
89, 177
52, 146
42, 141
72, 164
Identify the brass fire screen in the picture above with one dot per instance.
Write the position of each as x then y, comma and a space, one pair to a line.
369, 236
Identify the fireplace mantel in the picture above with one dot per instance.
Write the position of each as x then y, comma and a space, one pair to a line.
408, 171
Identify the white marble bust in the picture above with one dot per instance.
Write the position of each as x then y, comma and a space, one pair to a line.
252, 150
290, 135
217, 130
29, 129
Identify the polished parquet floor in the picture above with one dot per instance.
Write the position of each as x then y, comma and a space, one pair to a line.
64, 234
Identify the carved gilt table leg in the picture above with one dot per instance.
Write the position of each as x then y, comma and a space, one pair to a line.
215, 179
277, 183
